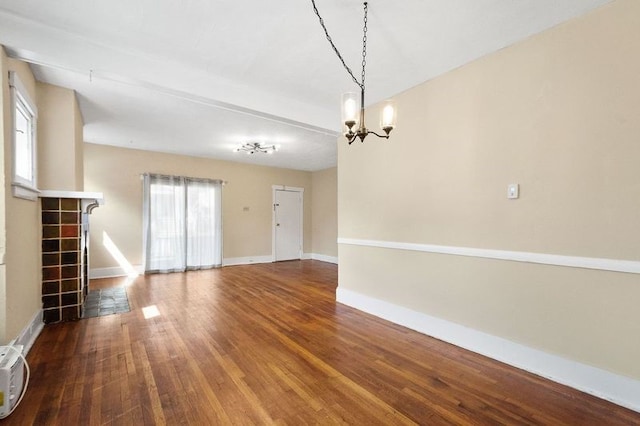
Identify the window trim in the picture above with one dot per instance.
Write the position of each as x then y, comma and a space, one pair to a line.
21, 187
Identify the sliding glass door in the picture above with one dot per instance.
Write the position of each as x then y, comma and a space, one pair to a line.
182, 223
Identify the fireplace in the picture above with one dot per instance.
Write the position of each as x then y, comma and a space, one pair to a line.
65, 252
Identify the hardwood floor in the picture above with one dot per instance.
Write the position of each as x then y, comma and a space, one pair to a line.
265, 344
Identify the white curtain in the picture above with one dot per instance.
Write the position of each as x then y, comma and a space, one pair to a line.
204, 224
182, 223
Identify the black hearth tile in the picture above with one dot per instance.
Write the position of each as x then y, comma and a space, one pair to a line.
51, 315
69, 217
69, 231
90, 313
50, 204
51, 287
69, 204
106, 301
68, 299
69, 244
70, 314
50, 273
69, 285
50, 245
69, 258
50, 218
50, 301
50, 259
50, 231
69, 271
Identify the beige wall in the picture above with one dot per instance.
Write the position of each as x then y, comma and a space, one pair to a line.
59, 156
324, 204
558, 114
3, 223
116, 172
22, 275
78, 122
61, 139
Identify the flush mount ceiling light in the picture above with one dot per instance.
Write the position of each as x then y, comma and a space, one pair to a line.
253, 147
351, 114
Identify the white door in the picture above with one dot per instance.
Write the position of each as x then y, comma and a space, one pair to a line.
287, 225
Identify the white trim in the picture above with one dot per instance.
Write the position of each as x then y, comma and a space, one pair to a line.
287, 188
98, 196
628, 266
20, 99
26, 192
232, 261
612, 387
112, 272
117, 271
30, 333
321, 257
16, 83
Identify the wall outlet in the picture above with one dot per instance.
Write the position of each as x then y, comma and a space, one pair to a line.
513, 191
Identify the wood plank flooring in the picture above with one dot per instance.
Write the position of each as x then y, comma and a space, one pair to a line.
268, 344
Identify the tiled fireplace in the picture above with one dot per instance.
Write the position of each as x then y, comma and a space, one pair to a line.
65, 245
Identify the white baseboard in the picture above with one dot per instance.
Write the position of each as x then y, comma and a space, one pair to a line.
117, 271
618, 389
231, 261
324, 258
112, 272
30, 333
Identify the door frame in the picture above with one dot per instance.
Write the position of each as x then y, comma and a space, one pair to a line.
275, 188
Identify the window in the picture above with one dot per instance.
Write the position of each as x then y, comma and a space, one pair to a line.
25, 114
182, 223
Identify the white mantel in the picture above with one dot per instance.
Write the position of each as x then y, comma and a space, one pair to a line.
88, 198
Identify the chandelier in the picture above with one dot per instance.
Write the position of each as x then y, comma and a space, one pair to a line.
351, 114
253, 147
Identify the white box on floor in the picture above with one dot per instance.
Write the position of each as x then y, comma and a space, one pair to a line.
11, 378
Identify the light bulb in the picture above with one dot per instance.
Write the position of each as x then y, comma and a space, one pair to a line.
388, 116
350, 109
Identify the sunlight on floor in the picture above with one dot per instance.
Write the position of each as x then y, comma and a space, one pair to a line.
150, 311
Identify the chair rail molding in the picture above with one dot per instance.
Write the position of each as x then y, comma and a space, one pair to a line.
614, 265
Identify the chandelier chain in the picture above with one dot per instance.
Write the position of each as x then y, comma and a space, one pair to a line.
335, 49
364, 44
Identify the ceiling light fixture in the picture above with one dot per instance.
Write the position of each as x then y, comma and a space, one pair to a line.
351, 115
253, 147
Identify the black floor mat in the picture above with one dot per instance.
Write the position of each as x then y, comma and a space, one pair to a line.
106, 301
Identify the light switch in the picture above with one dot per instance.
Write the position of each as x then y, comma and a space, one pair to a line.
513, 191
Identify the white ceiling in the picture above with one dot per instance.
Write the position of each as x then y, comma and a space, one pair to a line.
201, 77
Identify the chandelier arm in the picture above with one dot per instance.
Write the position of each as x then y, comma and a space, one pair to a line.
380, 136
335, 49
